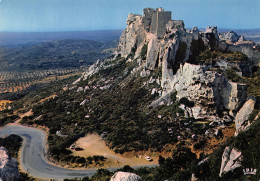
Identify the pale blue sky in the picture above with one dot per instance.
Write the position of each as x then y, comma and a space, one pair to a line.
80, 15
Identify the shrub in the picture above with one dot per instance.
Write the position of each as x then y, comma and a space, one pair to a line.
144, 52
186, 102
7, 119
102, 175
126, 168
173, 96
200, 144
12, 143
182, 157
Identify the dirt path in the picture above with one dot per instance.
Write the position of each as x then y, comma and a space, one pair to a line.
28, 113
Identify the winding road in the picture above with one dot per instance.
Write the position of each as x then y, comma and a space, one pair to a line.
32, 157
33, 151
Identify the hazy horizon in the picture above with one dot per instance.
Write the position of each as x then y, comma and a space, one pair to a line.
71, 31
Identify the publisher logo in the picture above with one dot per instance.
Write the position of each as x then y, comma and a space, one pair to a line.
249, 171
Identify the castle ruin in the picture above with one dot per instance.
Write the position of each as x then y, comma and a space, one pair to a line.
155, 20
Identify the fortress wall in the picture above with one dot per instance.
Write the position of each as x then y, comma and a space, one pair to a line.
155, 21
154, 24
163, 18
147, 18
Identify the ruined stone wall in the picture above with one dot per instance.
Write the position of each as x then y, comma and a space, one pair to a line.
159, 21
154, 23
147, 18
163, 18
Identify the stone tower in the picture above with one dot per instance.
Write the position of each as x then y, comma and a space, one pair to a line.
147, 18
156, 20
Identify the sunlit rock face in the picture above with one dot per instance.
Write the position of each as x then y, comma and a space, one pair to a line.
125, 176
231, 159
243, 115
230, 36
209, 90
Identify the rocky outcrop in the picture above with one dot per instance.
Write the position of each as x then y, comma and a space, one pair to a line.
210, 37
90, 71
254, 56
132, 37
169, 53
231, 159
8, 167
230, 41
230, 36
173, 49
94, 69
241, 119
209, 90
242, 38
125, 176
152, 59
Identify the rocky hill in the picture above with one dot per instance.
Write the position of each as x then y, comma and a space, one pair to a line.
190, 94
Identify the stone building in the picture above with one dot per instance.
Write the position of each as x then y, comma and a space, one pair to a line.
147, 18
155, 20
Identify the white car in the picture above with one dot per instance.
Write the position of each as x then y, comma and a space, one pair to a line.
148, 158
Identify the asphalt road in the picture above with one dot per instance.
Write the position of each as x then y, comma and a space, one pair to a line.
32, 158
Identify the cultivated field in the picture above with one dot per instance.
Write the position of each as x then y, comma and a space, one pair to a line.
18, 81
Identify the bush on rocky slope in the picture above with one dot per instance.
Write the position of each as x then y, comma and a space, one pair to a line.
248, 143
119, 113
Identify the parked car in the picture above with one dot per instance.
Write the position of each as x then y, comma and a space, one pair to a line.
148, 158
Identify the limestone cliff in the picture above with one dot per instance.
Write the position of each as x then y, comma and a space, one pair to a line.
132, 37
169, 53
125, 176
8, 167
166, 52
209, 90
173, 51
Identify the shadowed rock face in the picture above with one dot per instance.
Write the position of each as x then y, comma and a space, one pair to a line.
125, 176
8, 166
